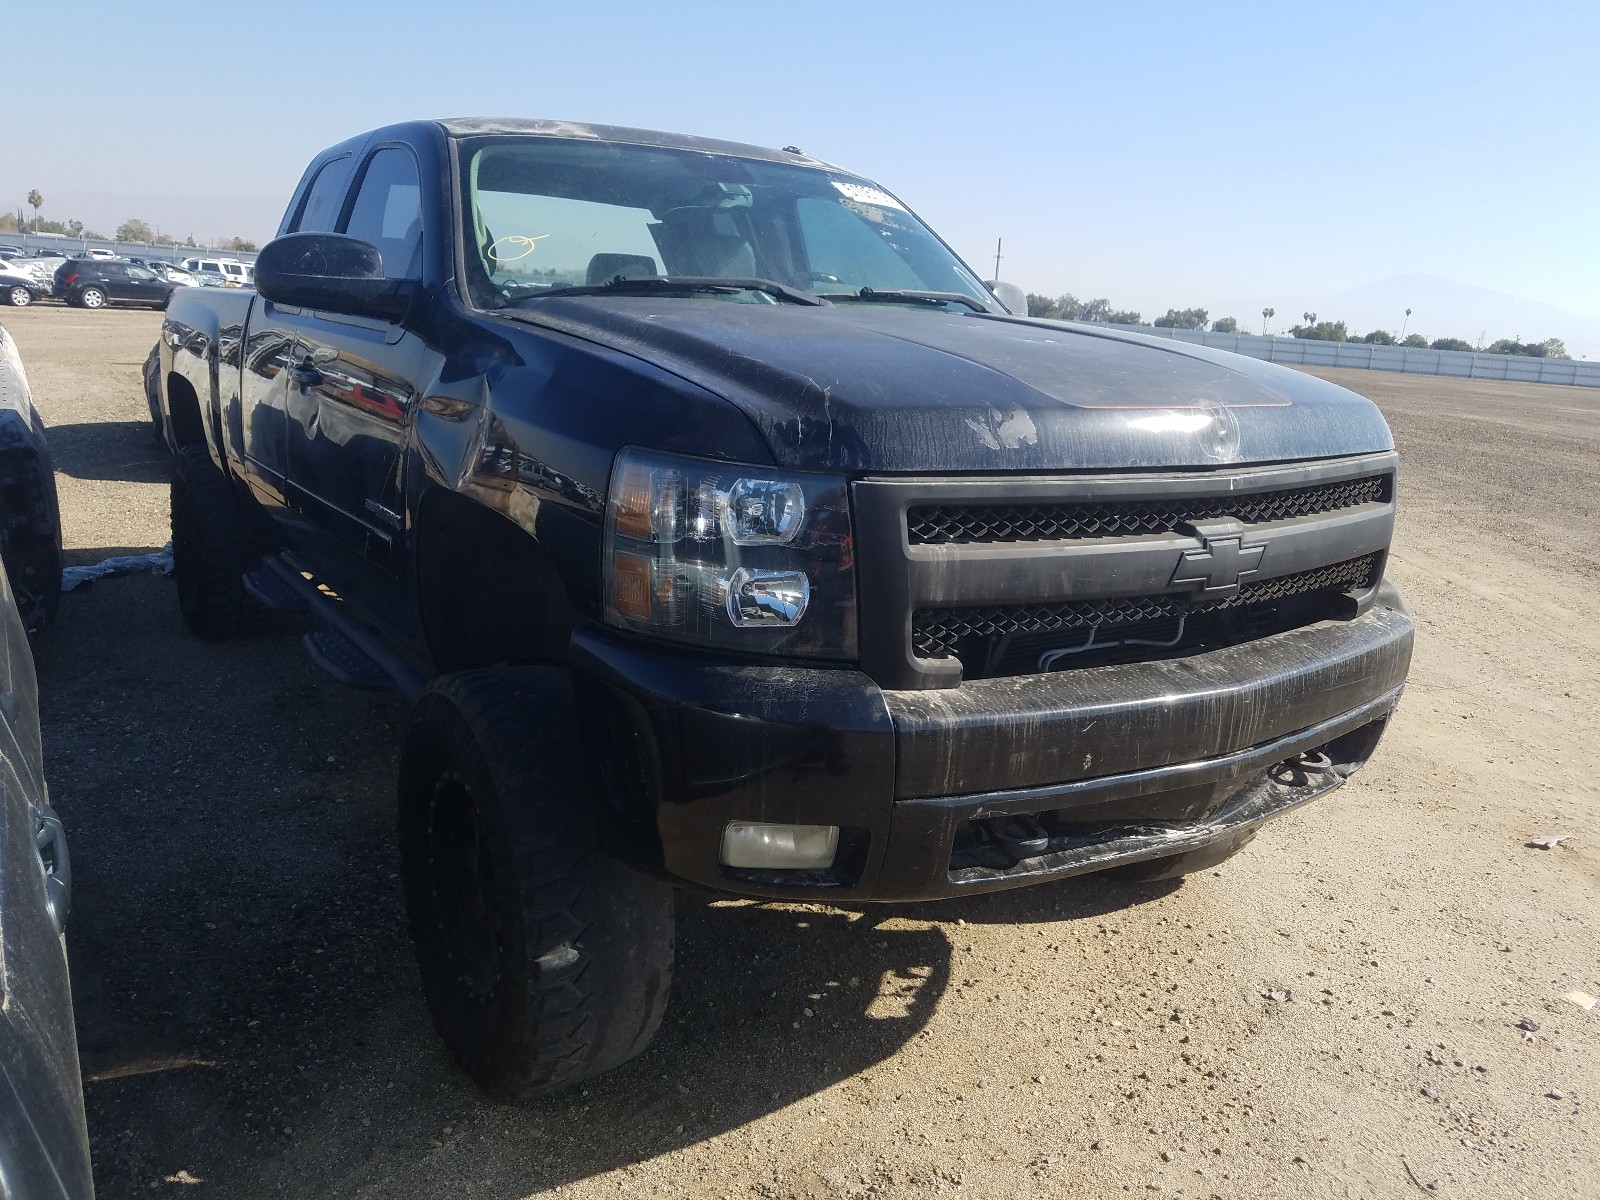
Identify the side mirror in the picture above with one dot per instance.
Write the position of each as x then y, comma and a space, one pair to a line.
333, 273
1009, 294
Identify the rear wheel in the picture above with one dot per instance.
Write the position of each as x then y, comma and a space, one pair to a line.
544, 960
211, 547
92, 298
20, 297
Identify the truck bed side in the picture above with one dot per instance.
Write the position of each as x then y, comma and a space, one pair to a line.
201, 338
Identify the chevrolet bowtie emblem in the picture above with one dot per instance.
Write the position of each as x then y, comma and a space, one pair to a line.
1215, 571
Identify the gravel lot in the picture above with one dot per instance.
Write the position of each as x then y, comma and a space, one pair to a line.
251, 1022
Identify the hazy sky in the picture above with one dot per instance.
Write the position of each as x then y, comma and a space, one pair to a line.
1157, 154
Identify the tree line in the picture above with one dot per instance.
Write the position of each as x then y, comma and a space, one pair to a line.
131, 230
1068, 307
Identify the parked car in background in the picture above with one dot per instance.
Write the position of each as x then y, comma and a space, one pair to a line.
42, 270
19, 287
98, 252
9, 249
95, 283
30, 516
44, 264
44, 1138
173, 274
230, 270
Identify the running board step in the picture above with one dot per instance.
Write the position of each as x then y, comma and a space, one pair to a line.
342, 645
272, 591
345, 661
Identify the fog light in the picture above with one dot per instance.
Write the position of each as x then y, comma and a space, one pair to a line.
756, 844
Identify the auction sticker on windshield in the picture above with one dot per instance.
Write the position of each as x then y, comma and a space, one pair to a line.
868, 195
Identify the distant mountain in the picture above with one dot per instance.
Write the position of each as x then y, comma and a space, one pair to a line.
1443, 308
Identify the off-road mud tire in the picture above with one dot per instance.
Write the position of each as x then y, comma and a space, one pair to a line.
212, 547
544, 960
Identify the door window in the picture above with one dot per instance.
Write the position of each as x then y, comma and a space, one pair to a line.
388, 212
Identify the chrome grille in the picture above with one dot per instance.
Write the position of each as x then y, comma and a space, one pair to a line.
958, 524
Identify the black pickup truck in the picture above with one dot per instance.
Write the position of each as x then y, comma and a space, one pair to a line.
724, 530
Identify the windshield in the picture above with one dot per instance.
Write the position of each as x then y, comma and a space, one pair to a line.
546, 213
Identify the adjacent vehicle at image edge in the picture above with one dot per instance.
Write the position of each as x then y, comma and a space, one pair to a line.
44, 1138
44, 1141
723, 529
30, 515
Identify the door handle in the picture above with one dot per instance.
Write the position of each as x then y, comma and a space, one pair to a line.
51, 841
305, 373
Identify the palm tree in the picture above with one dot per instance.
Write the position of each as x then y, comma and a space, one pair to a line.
1266, 315
36, 201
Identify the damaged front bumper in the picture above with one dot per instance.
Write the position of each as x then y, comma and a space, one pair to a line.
996, 784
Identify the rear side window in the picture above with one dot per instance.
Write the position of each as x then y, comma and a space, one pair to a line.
319, 211
388, 212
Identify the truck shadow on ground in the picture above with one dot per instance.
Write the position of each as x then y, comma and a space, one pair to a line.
249, 1014
121, 451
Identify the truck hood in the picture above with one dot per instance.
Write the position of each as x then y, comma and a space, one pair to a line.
882, 388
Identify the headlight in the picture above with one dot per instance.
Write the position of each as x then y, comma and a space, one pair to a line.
749, 558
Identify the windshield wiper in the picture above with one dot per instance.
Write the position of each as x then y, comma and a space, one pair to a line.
903, 296
680, 283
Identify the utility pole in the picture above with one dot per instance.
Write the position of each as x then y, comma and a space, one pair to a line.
997, 242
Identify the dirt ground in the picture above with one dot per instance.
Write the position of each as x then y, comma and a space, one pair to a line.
251, 1022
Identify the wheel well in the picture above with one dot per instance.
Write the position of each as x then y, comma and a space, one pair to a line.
488, 593
183, 405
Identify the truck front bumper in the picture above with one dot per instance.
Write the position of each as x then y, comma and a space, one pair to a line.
997, 783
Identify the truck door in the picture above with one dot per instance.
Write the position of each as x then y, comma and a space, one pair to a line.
258, 423
263, 386
352, 388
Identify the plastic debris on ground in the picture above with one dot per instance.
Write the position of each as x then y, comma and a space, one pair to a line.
158, 562
1582, 999
1278, 995
1548, 843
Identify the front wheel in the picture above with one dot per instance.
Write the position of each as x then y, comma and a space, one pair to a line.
20, 297
544, 960
92, 298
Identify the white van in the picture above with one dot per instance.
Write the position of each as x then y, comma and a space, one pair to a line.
230, 270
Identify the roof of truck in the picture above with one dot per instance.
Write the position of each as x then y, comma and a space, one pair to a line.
476, 126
